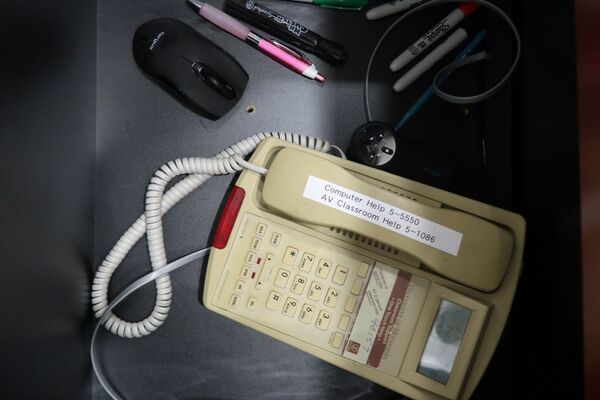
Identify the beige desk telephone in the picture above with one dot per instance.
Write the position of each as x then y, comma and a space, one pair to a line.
401, 283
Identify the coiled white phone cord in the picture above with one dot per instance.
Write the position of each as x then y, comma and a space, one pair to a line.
198, 170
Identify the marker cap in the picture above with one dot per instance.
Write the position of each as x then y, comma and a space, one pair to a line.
468, 8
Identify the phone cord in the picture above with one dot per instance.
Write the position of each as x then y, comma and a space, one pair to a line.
131, 288
198, 170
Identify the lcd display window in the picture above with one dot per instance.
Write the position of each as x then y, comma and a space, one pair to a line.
444, 341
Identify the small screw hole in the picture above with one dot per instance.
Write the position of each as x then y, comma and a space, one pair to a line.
250, 109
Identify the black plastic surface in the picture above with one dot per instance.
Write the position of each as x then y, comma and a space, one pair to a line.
50, 220
199, 355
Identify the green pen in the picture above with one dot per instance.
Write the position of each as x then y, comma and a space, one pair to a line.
345, 4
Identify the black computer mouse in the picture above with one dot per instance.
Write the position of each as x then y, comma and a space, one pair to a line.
201, 75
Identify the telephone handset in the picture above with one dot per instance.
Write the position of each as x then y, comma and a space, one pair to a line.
448, 241
401, 283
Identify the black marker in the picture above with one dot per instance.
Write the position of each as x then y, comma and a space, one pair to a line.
286, 29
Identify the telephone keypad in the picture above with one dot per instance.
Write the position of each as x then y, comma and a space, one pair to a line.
323, 320
331, 298
274, 300
291, 253
306, 315
282, 278
294, 283
307, 261
298, 284
323, 268
289, 308
339, 277
314, 293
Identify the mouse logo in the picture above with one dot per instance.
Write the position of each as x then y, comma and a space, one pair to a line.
155, 40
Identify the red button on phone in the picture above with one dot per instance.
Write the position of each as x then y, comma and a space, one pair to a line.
228, 217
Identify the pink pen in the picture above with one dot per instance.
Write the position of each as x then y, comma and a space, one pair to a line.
276, 51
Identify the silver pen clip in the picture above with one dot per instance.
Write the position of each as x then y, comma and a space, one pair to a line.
288, 50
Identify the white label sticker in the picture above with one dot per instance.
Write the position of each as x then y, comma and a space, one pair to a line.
382, 214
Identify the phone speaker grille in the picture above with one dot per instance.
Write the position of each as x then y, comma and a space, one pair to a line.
399, 193
366, 240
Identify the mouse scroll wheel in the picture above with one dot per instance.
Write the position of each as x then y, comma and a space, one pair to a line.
213, 80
